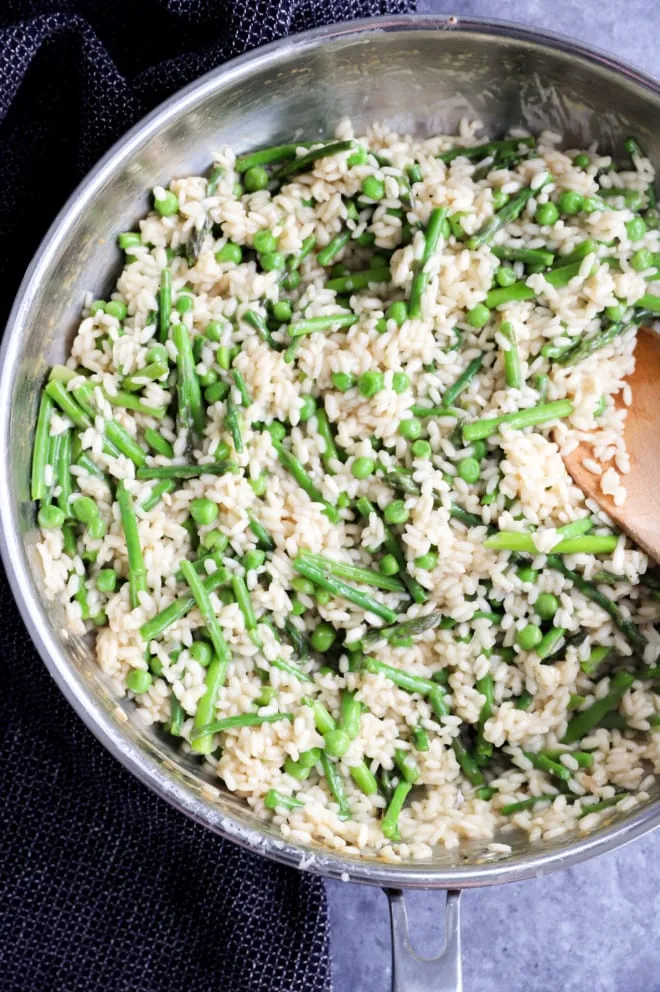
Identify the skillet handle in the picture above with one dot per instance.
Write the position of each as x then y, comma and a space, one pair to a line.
411, 973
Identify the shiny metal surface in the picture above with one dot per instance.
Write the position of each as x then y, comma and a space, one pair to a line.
421, 74
412, 973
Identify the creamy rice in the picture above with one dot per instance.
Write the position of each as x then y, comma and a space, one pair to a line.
522, 486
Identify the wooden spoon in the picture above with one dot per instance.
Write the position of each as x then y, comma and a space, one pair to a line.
639, 517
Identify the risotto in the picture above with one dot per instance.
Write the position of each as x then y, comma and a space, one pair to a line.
302, 474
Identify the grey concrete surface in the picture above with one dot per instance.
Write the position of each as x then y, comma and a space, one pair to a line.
594, 927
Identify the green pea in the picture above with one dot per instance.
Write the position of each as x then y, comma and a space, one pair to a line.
469, 470
282, 311
546, 605
307, 408
323, 637
370, 383
157, 353
581, 161
277, 431
322, 597
255, 179
201, 652
363, 467
230, 253
427, 561
400, 382
636, 229
615, 313
343, 381
216, 392
198, 347
478, 316
337, 743
410, 428
600, 406
214, 540
302, 585
398, 312
266, 696
51, 517
222, 451
592, 204
479, 449
254, 559
271, 261
527, 574
264, 242
97, 528
98, 306
358, 157
388, 565
138, 681
546, 214
213, 331
373, 187
529, 637
84, 509
185, 303
642, 260
505, 276
633, 199
106, 580
396, 512
208, 379
259, 485
167, 205
203, 511
297, 607
291, 280
421, 449
128, 239
116, 308
499, 198
571, 202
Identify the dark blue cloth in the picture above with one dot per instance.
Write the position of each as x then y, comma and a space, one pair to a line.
102, 885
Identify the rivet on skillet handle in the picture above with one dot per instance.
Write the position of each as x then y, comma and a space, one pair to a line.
410, 973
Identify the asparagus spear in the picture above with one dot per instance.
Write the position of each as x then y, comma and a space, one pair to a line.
256, 321
407, 628
183, 471
491, 148
277, 800
586, 720
511, 356
598, 807
464, 379
431, 238
216, 674
303, 162
201, 597
505, 215
158, 624
299, 473
328, 323
528, 256
543, 414
390, 824
596, 544
418, 593
164, 305
190, 412
336, 786
548, 765
341, 589
40, 447
267, 156
242, 595
331, 453
407, 765
241, 720
405, 680
137, 573
328, 254
364, 576
524, 804
468, 764
483, 749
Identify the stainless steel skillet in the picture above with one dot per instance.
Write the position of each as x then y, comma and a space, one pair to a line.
421, 74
